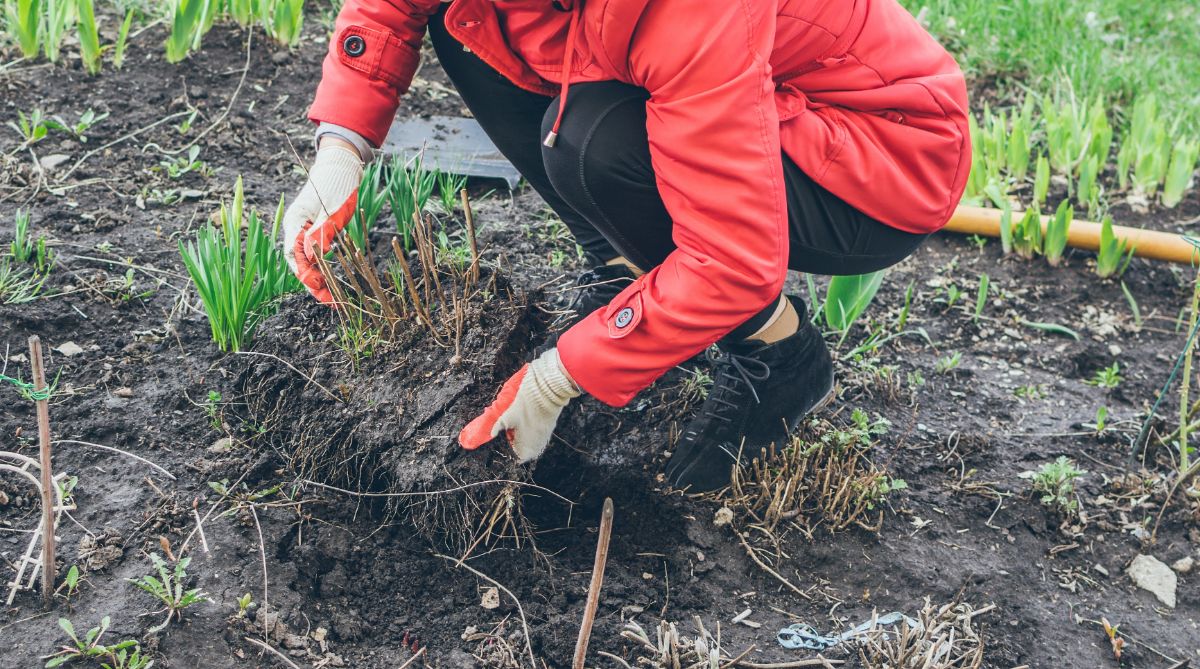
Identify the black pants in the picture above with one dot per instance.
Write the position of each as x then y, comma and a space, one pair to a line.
599, 179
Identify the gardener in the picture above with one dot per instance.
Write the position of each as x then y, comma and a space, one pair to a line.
696, 150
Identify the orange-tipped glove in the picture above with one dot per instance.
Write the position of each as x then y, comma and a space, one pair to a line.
308, 225
526, 409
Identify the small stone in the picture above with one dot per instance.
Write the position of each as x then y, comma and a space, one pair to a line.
294, 641
1184, 565
198, 92
69, 349
490, 599
222, 445
1099, 568
280, 57
52, 161
123, 392
723, 516
1151, 575
647, 576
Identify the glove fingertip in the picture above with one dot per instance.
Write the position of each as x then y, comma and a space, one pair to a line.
476, 433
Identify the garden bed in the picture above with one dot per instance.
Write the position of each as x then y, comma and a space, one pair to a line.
366, 580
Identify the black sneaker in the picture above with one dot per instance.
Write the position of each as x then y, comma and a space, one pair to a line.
593, 290
760, 393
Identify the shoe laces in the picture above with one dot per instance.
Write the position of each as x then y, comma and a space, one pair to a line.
732, 371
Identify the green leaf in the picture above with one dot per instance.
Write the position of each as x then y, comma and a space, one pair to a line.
1054, 328
848, 296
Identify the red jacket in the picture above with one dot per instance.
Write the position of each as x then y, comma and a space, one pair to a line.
854, 91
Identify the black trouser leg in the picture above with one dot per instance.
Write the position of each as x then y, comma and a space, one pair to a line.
512, 118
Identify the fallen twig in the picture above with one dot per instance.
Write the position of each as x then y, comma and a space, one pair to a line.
499, 586
116, 450
266, 646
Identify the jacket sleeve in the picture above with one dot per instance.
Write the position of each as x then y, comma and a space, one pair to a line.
714, 144
374, 51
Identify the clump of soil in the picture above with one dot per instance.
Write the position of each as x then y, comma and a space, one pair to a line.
385, 420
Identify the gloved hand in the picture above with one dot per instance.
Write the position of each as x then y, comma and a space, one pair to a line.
527, 408
309, 226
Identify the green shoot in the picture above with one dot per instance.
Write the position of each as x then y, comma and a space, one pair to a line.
1108, 377
282, 19
33, 128
22, 20
118, 57
981, 297
70, 582
242, 11
89, 35
187, 27
1114, 254
1179, 171
371, 196
1101, 420
1041, 181
1033, 391
244, 603
212, 409
1087, 190
19, 285
1146, 148
848, 297
184, 164
902, 318
168, 589
1027, 235
1006, 229
54, 26
948, 363
1133, 306
449, 186
79, 128
90, 648
1057, 228
409, 190
238, 286
22, 247
1055, 481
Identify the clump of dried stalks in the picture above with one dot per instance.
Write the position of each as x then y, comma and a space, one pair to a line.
947, 639
371, 308
669, 649
822, 477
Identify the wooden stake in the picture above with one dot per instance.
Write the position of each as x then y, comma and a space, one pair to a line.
466, 203
43, 417
593, 598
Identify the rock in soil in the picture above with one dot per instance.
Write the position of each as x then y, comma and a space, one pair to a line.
1149, 574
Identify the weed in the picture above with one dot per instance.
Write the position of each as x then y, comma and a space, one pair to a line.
1114, 255
1057, 228
239, 286
70, 582
79, 128
953, 295
915, 379
32, 128
19, 285
981, 297
1032, 391
696, 385
168, 588
1101, 420
1055, 481
979, 241
22, 247
902, 317
212, 409
244, 603
1108, 377
177, 167
948, 363
122, 655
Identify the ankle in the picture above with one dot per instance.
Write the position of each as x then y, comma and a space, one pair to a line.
622, 260
784, 323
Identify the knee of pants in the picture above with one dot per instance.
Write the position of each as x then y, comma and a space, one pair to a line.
601, 144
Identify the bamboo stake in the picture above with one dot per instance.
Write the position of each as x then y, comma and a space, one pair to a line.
466, 203
43, 417
593, 598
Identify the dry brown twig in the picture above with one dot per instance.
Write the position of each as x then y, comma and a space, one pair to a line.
597, 582
947, 638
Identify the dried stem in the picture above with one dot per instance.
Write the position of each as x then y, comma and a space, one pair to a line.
593, 597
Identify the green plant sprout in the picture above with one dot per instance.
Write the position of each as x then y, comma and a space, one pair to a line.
1101, 420
1032, 391
1055, 481
947, 363
244, 603
70, 583
1041, 181
1178, 178
1114, 255
22, 246
168, 589
981, 297
23, 20
848, 297
122, 655
409, 189
1108, 377
282, 19
54, 26
953, 294
89, 35
449, 186
212, 409
238, 284
1075, 131
372, 194
1055, 241
118, 56
32, 128
1027, 235
19, 285
79, 128
182, 165
1133, 306
188, 24
905, 310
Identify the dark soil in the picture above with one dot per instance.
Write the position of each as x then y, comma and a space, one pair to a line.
364, 581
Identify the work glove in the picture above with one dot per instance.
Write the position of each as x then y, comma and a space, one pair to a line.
309, 226
526, 409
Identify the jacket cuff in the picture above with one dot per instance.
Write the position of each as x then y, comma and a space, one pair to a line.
366, 152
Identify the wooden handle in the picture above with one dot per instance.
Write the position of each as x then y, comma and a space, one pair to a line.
1085, 235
